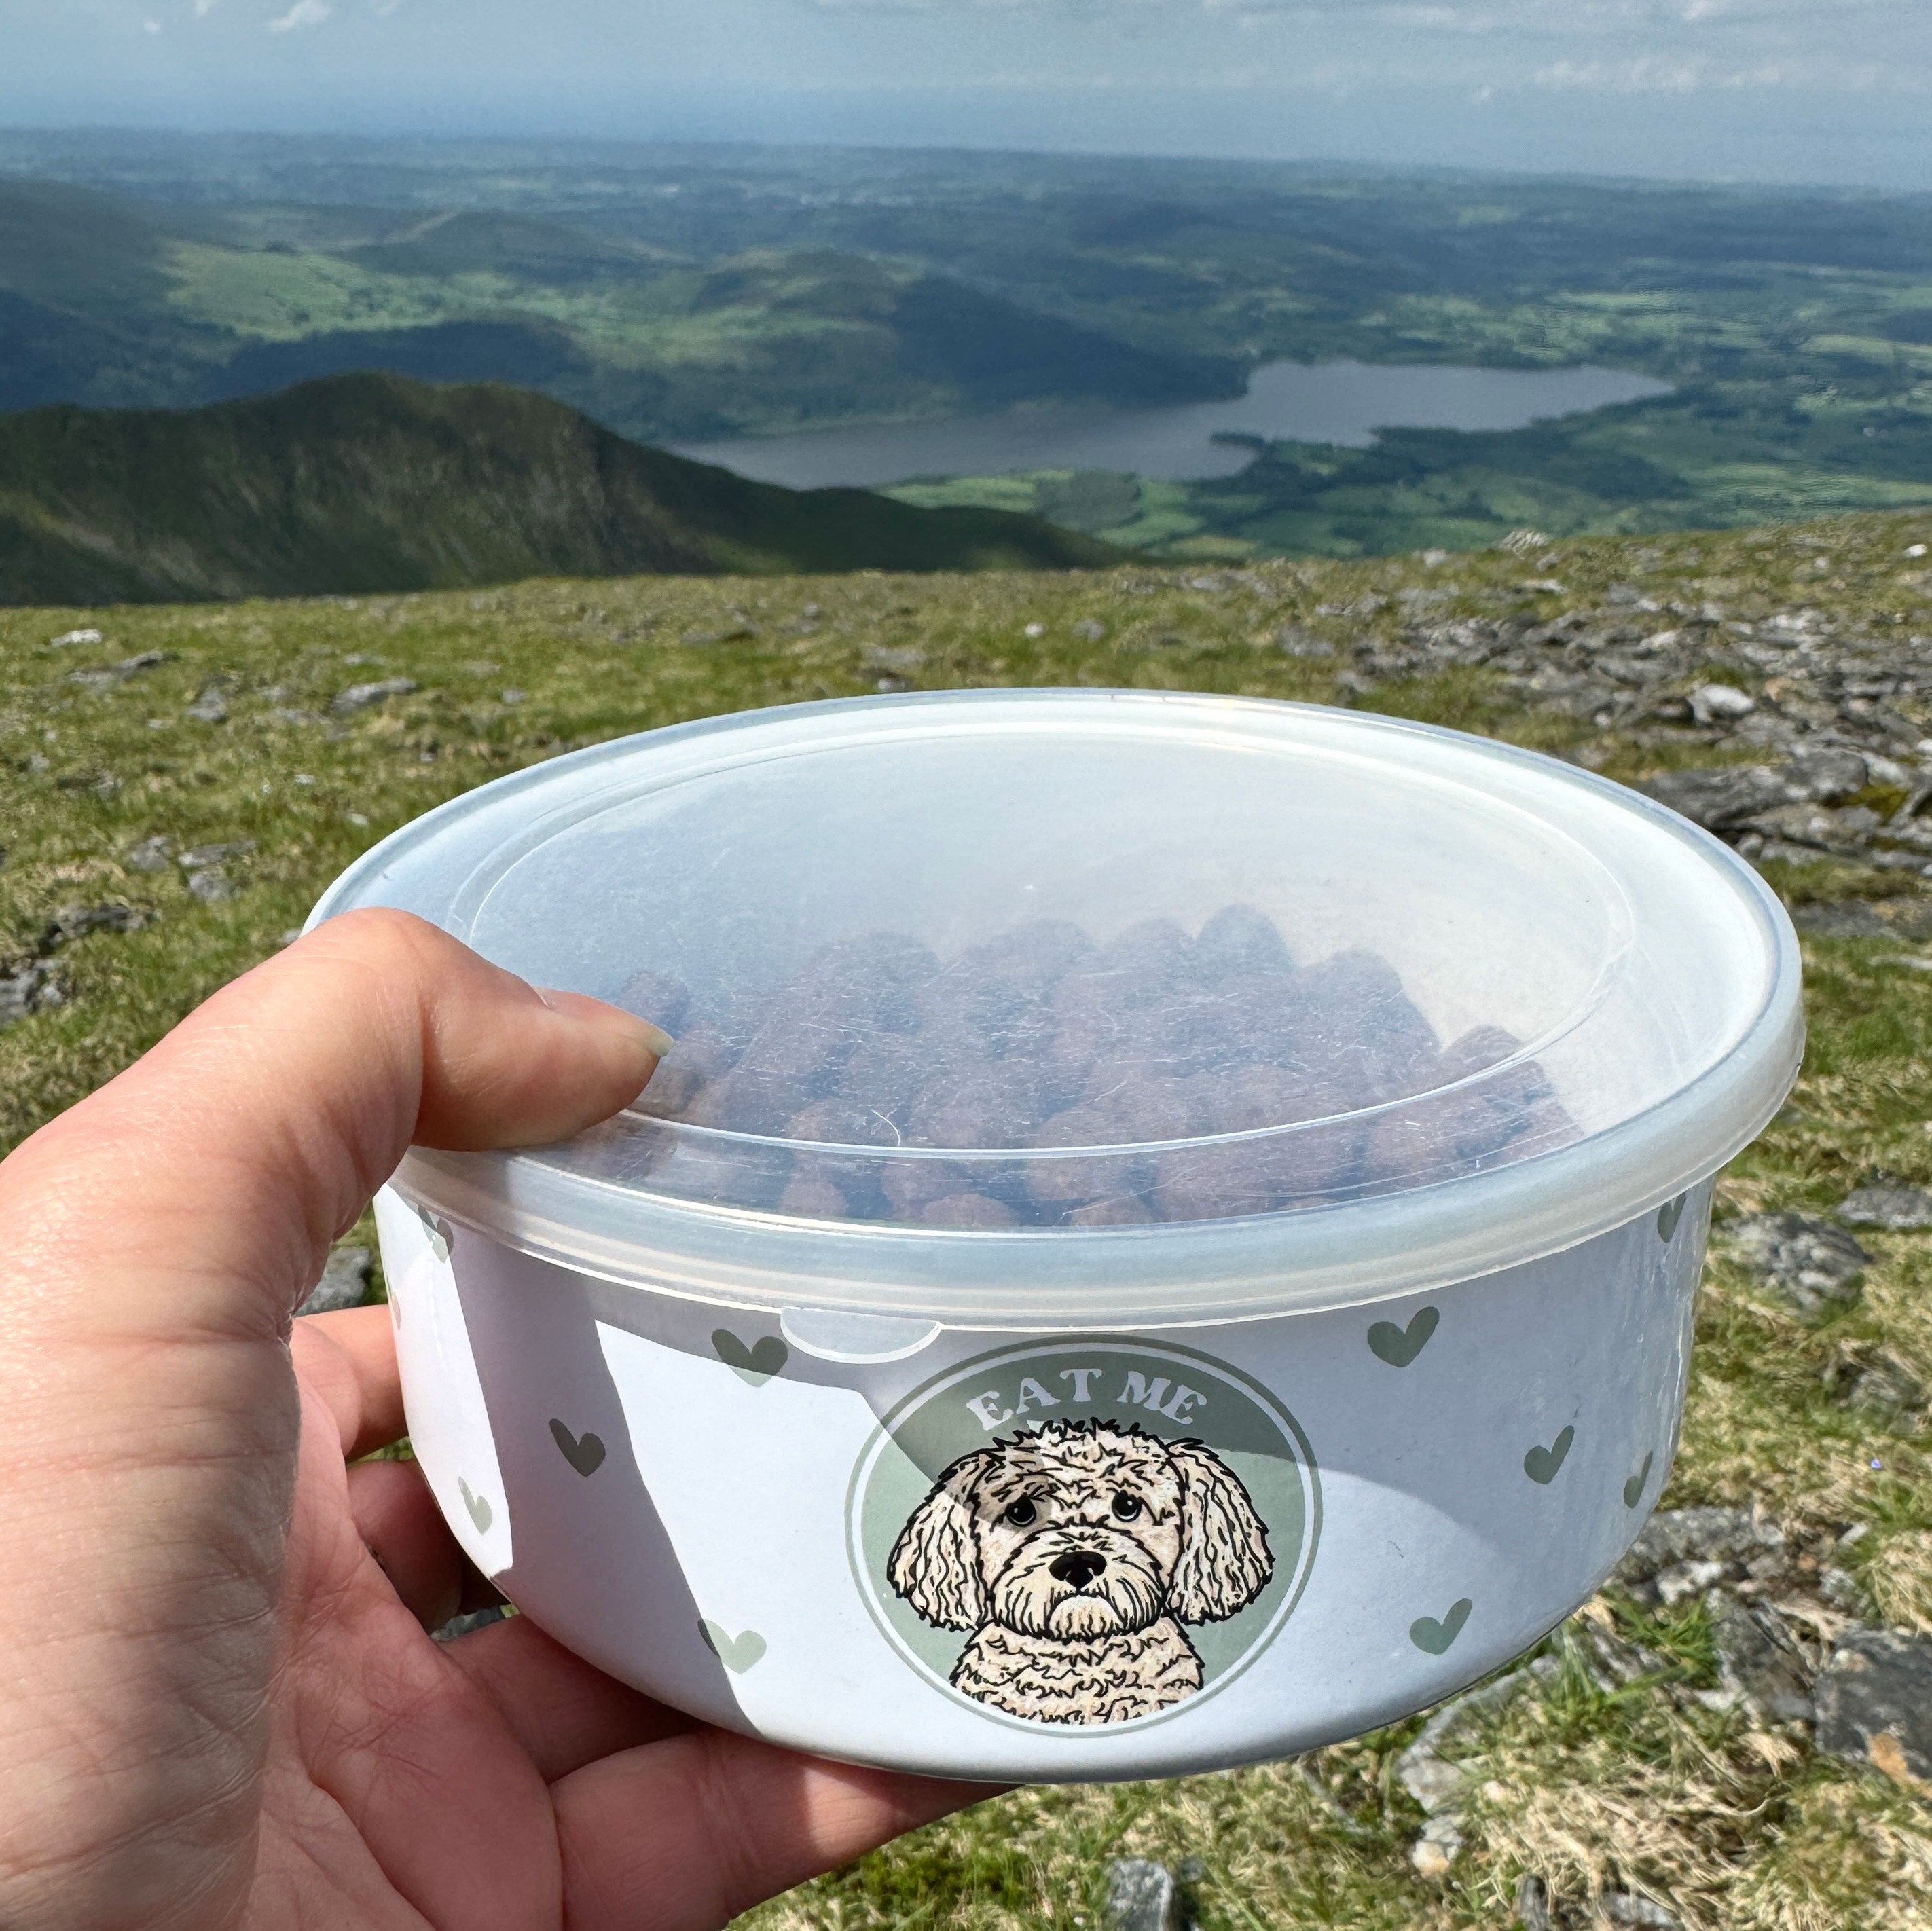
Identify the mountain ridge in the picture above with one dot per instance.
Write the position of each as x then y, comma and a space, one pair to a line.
371, 482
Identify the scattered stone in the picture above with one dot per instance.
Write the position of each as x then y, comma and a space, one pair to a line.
1439, 1844
1758, 1660
1887, 1205
360, 697
344, 1282
1887, 1390
1813, 1266
1716, 703
1090, 630
1685, 1552
893, 660
76, 921
1719, 800
1630, 1907
1875, 1704
210, 707
67, 637
202, 856
1142, 1895
153, 854
1295, 640
210, 885
1843, 919
22, 991
727, 633
476, 1619
1532, 1904
104, 677
513, 697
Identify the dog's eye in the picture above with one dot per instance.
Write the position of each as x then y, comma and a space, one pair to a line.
1127, 1506
1022, 1514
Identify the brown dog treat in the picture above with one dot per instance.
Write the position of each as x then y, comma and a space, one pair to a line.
1118, 1210
1237, 941
696, 1058
657, 996
809, 1197
966, 1210
994, 1104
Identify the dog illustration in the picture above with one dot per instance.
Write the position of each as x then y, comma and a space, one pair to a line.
1074, 1552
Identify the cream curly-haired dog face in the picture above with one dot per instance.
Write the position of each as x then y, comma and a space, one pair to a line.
1075, 1552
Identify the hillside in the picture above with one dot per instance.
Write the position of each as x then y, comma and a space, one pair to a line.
377, 483
180, 783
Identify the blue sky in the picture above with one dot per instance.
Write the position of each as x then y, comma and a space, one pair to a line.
1757, 89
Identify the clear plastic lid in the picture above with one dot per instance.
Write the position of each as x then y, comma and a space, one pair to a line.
1081, 1005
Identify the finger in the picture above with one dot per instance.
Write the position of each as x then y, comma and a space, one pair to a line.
707, 1825
254, 1134
402, 1527
349, 1359
564, 1712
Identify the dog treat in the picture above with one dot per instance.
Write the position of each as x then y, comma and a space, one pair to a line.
1231, 1079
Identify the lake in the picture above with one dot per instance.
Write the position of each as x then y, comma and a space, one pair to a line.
1340, 402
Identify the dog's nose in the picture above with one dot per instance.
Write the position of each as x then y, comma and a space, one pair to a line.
1077, 1568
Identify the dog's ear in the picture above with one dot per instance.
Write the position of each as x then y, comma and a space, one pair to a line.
935, 1563
1225, 1561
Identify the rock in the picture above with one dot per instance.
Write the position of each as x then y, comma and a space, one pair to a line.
895, 660
1826, 774
1843, 919
1888, 1390
1438, 1846
1888, 1206
153, 854
1727, 1537
1142, 1895
1815, 1266
1719, 799
1532, 1904
67, 637
76, 921
203, 855
1757, 1659
1630, 1907
1090, 630
360, 697
1717, 703
1436, 1784
344, 1282
1297, 641
210, 707
22, 991
724, 633
1875, 1704
211, 885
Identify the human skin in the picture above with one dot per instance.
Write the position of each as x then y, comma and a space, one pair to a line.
219, 1704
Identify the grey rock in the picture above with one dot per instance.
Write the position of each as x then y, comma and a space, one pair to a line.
69, 637
1630, 1907
1842, 918
1532, 1904
723, 633
210, 707
153, 854
476, 1619
1719, 703
893, 659
1434, 1782
1090, 630
1757, 1659
1720, 799
1875, 1702
1826, 774
1142, 1895
1438, 1844
1728, 1537
22, 991
344, 1282
76, 921
1888, 1206
1297, 641
360, 697
210, 885
1814, 1266
1888, 1390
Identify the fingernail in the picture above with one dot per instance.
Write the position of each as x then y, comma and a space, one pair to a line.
571, 1004
660, 1042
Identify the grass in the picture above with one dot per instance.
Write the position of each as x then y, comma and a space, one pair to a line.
1737, 1828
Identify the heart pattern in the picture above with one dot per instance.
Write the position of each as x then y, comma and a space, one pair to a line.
1399, 1346
584, 1452
481, 1512
737, 1654
1426, 1633
1634, 1488
1668, 1215
756, 1365
1540, 1464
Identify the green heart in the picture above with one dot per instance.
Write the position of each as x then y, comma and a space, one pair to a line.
584, 1452
1633, 1487
737, 1654
756, 1365
1668, 1215
438, 1232
481, 1512
1540, 1464
1426, 1632
1399, 1346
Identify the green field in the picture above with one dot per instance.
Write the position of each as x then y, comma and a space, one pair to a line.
222, 730
694, 292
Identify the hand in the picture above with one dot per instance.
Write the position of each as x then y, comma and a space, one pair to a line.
219, 1705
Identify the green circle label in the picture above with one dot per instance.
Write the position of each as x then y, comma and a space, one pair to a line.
1083, 1533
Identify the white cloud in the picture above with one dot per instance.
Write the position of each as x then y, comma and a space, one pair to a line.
303, 13
202, 7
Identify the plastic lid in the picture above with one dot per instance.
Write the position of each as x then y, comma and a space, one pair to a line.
1001, 1007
